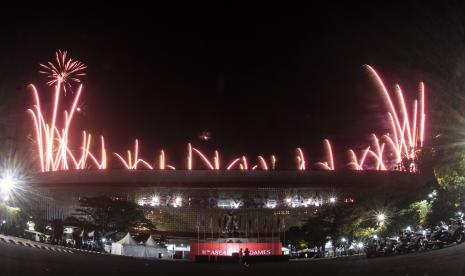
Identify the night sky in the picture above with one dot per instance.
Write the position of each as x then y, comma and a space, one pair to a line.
262, 81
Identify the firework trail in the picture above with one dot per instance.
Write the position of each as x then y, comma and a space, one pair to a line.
407, 132
405, 137
263, 163
355, 163
300, 160
234, 162
52, 143
329, 163
130, 163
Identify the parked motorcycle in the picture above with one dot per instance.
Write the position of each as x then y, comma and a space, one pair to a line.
410, 242
445, 234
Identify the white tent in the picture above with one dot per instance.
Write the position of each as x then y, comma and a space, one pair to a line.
118, 248
127, 246
150, 242
127, 240
153, 250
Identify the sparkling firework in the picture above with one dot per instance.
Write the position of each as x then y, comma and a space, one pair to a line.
405, 137
53, 143
407, 133
64, 71
300, 160
329, 164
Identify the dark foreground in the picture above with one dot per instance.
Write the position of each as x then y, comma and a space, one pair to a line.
20, 260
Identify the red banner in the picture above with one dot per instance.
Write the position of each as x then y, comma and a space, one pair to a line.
227, 249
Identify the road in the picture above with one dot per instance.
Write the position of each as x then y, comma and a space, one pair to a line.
22, 260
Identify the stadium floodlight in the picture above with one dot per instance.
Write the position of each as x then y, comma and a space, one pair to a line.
381, 217
155, 201
177, 201
7, 183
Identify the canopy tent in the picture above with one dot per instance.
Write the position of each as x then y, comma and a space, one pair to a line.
150, 242
118, 247
127, 246
153, 249
127, 240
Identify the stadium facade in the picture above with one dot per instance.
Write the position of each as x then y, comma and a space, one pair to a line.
212, 204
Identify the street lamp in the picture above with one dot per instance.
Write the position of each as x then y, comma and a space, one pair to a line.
332, 199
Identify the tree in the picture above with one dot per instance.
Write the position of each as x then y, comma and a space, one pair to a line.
296, 237
110, 214
449, 171
14, 224
333, 222
443, 206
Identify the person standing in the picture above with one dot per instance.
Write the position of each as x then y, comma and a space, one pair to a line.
240, 255
246, 257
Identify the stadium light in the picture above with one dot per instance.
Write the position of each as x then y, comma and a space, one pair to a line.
381, 217
155, 200
177, 202
7, 184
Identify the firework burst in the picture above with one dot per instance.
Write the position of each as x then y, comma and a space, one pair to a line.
52, 132
64, 71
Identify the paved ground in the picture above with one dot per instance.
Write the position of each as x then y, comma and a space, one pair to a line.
24, 260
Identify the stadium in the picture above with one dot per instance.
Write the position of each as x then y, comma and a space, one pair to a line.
245, 197
215, 204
